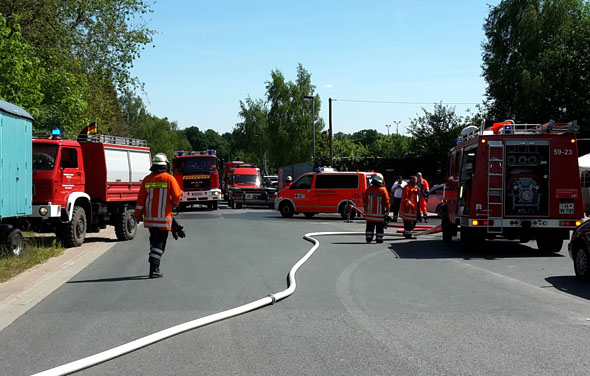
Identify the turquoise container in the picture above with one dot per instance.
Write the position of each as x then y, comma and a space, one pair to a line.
16, 161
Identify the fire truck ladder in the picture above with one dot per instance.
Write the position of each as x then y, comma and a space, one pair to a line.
495, 193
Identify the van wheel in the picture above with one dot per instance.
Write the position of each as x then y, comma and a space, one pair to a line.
344, 214
14, 242
73, 233
581, 258
309, 215
126, 226
439, 211
286, 210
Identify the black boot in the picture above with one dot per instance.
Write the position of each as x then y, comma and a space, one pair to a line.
155, 271
425, 218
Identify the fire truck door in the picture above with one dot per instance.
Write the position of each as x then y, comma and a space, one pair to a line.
466, 180
72, 171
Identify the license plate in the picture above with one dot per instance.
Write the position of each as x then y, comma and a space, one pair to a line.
251, 196
566, 208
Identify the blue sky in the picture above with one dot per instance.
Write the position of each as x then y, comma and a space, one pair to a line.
209, 55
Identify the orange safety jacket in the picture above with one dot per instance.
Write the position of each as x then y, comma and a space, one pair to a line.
409, 205
376, 201
159, 193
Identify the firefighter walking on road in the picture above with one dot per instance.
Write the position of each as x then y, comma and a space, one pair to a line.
410, 207
376, 201
159, 194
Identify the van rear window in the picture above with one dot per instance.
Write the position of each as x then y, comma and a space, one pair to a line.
333, 181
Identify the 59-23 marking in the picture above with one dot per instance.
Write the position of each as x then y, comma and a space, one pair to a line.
563, 152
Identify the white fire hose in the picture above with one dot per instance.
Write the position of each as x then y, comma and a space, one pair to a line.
104, 356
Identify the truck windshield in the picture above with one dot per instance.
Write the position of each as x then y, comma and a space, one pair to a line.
247, 179
195, 165
44, 156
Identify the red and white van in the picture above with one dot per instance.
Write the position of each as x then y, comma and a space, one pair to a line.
324, 192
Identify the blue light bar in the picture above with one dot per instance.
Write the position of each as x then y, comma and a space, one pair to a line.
56, 132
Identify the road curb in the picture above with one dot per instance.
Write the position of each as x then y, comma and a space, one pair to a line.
23, 292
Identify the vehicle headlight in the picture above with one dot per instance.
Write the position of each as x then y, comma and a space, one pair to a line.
43, 210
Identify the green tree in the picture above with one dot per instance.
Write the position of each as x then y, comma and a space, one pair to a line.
535, 60
433, 132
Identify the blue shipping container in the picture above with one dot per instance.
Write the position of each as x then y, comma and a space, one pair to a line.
16, 165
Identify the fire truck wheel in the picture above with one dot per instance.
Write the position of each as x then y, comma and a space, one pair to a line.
14, 242
309, 214
73, 233
549, 244
125, 226
231, 204
181, 207
581, 258
215, 205
238, 205
286, 210
447, 231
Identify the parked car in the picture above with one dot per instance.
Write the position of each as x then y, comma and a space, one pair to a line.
435, 196
578, 249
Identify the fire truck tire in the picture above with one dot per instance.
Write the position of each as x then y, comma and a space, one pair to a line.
581, 258
238, 205
309, 214
181, 207
549, 244
126, 226
448, 231
14, 242
286, 210
73, 233
215, 205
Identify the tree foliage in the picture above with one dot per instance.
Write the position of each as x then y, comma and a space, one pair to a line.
535, 60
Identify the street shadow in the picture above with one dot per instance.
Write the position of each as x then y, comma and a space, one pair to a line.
571, 285
489, 250
117, 279
100, 240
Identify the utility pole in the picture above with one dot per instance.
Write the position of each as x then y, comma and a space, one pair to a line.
312, 99
330, 133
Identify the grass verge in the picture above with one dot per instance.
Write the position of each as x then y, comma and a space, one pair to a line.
36, 251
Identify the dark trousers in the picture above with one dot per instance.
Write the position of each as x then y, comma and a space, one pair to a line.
371, 228
158, 239
395, 206
409, 228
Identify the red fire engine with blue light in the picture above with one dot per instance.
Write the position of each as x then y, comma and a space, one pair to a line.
197, 173
516, 181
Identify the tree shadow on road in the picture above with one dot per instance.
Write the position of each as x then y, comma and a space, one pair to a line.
570, 285
116, 279
489, 250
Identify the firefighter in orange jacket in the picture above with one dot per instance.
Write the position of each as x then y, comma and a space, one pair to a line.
376, 201
424, 189
409, 207
158, 195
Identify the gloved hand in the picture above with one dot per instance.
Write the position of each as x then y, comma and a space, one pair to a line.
177, 230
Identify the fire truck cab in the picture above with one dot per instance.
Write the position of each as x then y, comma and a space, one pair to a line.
516, 181
197, 173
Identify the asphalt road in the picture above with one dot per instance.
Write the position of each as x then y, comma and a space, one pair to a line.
418, 307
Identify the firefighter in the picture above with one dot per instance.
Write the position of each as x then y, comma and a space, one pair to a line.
424, 190
409, 207
376, 201
159, 194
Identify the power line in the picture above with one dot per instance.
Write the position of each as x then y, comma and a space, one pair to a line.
402, 102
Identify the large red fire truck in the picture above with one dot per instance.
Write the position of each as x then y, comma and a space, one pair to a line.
83, 186
517, 181
197, 173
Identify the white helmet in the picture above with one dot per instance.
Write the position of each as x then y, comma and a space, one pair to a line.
289, 178
160, 159
378, 178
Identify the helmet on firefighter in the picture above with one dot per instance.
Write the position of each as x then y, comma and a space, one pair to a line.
377, 180
289, 178
160, 159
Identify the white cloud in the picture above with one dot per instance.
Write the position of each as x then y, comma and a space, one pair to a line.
328, 86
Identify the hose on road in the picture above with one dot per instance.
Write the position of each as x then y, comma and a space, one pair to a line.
104, 356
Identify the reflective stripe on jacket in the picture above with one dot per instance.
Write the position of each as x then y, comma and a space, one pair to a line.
409, 206
159, 193
376, 201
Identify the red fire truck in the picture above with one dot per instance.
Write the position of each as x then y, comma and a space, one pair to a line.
83, 186
245, 188
227, 167
517, 181
197, 173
